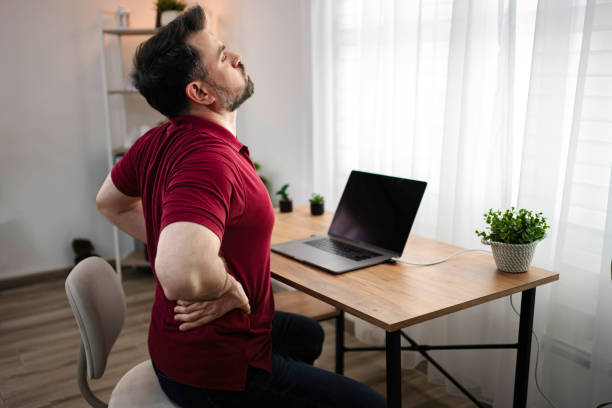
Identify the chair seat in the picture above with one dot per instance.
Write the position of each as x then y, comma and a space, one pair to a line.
139, 388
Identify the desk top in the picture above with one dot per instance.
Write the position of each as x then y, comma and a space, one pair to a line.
396, 296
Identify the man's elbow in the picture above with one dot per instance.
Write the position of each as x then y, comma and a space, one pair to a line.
101, 203
171, 292
184, 283
170, 283
184, 288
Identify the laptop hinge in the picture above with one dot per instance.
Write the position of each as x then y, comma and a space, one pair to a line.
365, 246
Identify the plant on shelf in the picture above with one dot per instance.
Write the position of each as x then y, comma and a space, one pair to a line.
263, 179
513, 236
285, 203
317, 204
167, 10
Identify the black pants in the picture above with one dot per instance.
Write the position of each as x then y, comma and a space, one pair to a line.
296, 344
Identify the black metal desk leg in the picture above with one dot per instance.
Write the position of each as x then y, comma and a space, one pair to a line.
394, 370
521, 379
340, 343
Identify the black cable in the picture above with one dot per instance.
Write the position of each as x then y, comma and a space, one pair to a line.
535, 336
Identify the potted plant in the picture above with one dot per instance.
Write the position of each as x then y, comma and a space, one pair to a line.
167, 10
285, 203
263, 179
317, 204
513, 236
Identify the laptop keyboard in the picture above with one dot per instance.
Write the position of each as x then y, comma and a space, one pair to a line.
342, 249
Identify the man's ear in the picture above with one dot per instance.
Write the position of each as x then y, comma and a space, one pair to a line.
198, 92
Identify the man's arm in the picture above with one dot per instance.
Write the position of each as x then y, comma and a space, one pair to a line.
189, 268
187, 262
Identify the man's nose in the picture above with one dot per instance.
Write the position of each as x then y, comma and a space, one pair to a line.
236, 59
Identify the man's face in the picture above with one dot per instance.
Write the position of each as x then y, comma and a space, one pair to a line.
226, 74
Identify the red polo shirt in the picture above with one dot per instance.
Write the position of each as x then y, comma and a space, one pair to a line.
191, 169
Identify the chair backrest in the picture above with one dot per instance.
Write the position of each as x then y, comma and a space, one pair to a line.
98, 304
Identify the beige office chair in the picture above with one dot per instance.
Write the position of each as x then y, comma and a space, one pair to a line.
98, 304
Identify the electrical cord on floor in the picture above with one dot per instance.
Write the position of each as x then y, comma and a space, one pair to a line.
535, 336
441, 260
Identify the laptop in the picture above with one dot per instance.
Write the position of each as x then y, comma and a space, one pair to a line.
371, 225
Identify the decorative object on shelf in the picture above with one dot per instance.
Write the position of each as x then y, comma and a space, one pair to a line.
83, 248
168, 10
122, 14
285, 203
263, 179
513, 236
317, 204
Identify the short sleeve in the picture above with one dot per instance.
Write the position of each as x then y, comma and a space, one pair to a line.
200, 189
124, 174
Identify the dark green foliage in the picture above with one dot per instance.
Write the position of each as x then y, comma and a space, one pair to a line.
317, 198
283, 192
514, 227
263, 179
165, 5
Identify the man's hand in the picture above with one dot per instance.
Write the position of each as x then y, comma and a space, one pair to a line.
195, 314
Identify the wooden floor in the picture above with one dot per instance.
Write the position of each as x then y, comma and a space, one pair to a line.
39, 343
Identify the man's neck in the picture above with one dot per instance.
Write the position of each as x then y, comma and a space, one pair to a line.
225, 119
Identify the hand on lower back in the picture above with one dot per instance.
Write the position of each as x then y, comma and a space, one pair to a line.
194, 314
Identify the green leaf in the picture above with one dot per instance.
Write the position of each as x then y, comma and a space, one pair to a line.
513, 226
283, 192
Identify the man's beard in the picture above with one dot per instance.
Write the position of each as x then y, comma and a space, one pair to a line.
231, 100
248, 90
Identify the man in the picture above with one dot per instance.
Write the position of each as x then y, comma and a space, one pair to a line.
190, 191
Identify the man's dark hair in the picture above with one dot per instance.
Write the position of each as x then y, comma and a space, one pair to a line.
165, 64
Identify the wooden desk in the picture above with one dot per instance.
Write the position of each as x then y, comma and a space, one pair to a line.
397, 296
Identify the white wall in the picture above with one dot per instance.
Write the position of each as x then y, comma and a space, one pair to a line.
276, 124
52, 140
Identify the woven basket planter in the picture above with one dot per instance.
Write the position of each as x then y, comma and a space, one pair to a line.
513, 258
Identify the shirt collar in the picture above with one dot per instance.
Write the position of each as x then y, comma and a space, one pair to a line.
210, 128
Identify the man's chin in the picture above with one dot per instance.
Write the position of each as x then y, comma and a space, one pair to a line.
248, 91
250, 87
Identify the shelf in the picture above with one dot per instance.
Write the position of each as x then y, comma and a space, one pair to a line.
130, 31
122, 91
135, 259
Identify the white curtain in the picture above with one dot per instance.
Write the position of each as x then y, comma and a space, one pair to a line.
494, 104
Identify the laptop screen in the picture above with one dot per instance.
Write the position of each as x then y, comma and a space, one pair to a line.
378, 210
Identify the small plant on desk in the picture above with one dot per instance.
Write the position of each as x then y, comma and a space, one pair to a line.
317, 204
285, 203
513, 236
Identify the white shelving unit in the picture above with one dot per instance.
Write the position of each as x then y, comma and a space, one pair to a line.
135, 258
